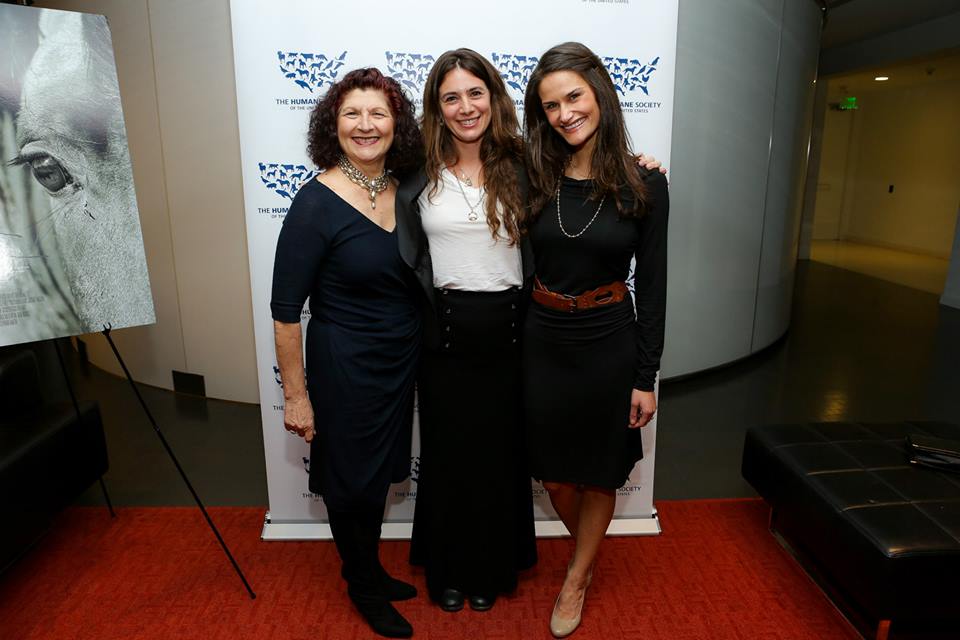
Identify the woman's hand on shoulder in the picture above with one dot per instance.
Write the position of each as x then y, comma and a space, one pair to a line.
650, 163
298, 417
643, 405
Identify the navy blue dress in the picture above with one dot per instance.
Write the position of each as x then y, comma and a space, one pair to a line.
361, 348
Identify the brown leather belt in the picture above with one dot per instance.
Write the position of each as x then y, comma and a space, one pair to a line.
601, 296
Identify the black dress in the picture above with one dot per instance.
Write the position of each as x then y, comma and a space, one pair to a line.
361, 348
473, 526
579, 368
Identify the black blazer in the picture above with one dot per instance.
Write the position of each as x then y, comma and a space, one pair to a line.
415, 250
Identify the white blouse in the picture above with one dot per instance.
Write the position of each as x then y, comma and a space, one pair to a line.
465, 254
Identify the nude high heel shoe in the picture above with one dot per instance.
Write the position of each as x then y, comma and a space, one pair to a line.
563, 627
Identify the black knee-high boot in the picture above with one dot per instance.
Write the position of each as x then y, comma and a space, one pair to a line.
357, 545
393, 588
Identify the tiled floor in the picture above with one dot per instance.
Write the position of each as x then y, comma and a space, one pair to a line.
859, 348
915, 270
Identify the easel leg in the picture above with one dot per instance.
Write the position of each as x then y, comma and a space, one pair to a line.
176, 463
106, 497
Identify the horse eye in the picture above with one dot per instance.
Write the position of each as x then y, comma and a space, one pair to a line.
50, 173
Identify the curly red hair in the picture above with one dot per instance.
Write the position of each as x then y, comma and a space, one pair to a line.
405, 153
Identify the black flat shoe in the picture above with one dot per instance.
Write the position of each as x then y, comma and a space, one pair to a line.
450, 600
482, 603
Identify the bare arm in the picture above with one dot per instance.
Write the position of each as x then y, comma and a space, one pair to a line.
297, 410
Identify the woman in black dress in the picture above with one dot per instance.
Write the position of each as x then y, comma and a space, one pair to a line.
473, 525
590, 354
338, 246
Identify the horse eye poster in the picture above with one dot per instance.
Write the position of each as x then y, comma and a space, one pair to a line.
71, 250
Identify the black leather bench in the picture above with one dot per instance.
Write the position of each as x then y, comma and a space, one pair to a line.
883, 535
48, 455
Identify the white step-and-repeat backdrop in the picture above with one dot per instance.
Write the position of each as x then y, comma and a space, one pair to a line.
287, 53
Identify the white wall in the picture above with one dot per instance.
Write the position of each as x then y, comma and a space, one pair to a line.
908, 138
175, 67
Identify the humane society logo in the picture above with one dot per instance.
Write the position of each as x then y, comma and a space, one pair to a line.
515, 70
630, 75
277, 403
311, 72
283, 180
410, 70
407, 490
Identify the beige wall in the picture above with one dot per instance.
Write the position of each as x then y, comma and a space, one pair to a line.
175, 66
910, 138
831, 180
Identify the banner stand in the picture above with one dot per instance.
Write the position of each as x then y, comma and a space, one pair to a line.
283, 68
289, 531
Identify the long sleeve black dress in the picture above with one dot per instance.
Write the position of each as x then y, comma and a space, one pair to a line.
580, 368
361, 348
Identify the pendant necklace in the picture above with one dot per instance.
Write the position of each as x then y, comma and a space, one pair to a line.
559, 220
357, 177
473, 216
464, 178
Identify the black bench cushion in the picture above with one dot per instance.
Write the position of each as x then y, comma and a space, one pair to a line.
47, 458
846, 496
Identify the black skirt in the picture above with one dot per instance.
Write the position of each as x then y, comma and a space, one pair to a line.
473, 525
578, 372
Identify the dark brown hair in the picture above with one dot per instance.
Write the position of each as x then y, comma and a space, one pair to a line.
612, 167
405, 153
500, 148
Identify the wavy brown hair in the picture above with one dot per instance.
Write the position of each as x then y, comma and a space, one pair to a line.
612, 167
500, 148
323, 146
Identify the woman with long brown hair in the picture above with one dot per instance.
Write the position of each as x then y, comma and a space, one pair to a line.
473, 525
590, 354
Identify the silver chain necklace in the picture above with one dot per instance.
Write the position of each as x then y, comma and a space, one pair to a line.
559, 220
357, 177
473, 216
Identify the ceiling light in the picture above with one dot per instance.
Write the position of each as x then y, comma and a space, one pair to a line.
881, 78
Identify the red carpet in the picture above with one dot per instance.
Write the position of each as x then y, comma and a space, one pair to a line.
715, 573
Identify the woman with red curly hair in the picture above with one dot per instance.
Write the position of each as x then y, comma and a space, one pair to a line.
338, 246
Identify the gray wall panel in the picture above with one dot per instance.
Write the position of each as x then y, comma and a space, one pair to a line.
793, 114
726, 81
